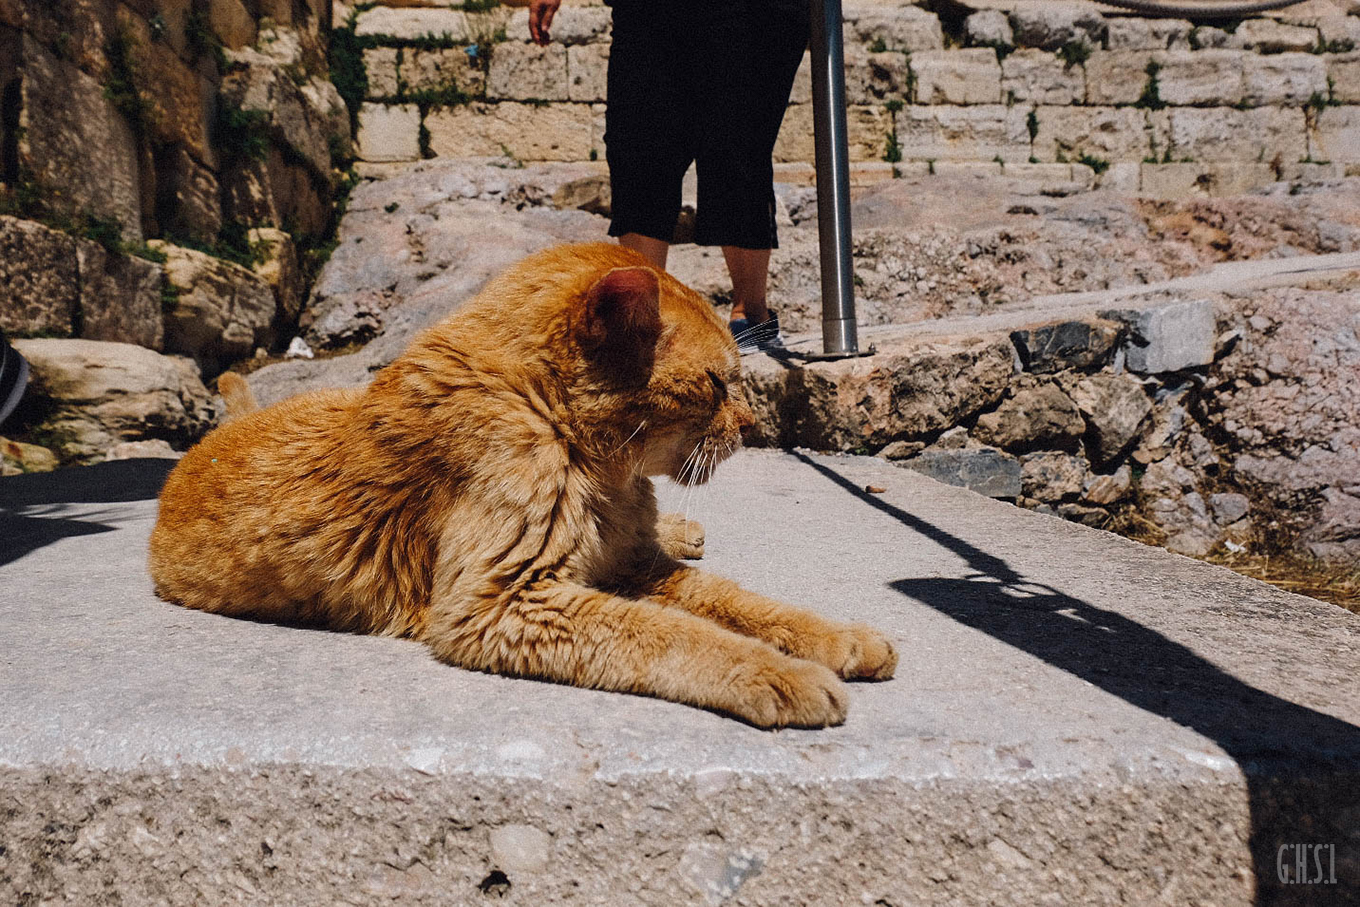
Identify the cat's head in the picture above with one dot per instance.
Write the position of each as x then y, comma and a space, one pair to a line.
660, 371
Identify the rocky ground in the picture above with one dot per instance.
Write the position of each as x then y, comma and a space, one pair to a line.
1214, 417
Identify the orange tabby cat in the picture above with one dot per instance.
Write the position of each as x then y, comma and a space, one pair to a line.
488, 495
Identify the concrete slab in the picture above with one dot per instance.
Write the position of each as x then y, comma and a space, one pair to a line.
1076, 719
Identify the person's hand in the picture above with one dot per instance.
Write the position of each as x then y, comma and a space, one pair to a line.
541, 14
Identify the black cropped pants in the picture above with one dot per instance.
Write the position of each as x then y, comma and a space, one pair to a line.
702, 81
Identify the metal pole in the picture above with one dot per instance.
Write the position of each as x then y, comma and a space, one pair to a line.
839, 337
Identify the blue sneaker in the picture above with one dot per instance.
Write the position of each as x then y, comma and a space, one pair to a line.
13, 378
763, 336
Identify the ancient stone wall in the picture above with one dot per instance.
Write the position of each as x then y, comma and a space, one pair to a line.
163, 165
1156, 106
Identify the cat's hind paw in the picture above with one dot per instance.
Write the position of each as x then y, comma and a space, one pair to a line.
679, 537
855, 652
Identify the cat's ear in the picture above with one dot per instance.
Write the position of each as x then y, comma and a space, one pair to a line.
622, 317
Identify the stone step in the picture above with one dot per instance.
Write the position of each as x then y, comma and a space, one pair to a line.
1076, 719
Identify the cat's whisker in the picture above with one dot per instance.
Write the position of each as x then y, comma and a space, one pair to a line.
766, 327
628, 440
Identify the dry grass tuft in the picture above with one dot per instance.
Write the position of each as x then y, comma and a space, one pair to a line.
1327, 581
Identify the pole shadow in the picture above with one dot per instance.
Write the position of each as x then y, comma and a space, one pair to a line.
1301, 766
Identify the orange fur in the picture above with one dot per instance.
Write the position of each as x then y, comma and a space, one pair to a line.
488, 494
236, 394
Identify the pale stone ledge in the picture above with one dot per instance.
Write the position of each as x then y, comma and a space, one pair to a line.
556, 132
389, 132
1039, 77
981, 132
970, 76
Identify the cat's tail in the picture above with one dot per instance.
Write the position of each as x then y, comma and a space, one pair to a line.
237, 395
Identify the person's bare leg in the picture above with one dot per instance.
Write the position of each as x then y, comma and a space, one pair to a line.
654, 250
750, 270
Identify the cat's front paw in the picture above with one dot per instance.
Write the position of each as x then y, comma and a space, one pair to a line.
789, 692
856, 652
679, 537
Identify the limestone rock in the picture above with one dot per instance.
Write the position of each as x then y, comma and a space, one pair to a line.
74, 142
902, 28
221, 312
986, 471
93, 395
558, 132
1109, 133
948, 132
1114, 407
389, 132
1229, 507
120, 297
1168, 338
1051, 477
571, 25
188, 195
910, 388
520, 848
39, 291
156, 448
1220, 134
413, 24
589, 193
1337, 136
1049, 26
525, 72
988, 28
280, 269
1287, 78
967, 76
1032, 418
17, 458
1108, 489
1201, 77
1269, 36
256, 83
1039, 77
1135, 33
323, 99
587, 72
1061, 345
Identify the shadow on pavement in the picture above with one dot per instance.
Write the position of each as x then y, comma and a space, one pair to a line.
1302, 767
33, 511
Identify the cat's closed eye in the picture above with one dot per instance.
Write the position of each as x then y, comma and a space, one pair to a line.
719, 385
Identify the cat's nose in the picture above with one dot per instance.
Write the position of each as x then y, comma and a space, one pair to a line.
745, 417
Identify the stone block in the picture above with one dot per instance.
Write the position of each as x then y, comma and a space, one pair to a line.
413, 23
867, 130
1061, 345
222, 312
1109, 133
527, 72
389, 132
39, 288
1117, 76
1343, 73
1114, 407
977, 133
1272, 37
96, 394
437, 69
76, 144
380, 65
120, 297
869, 77
986, 471
188, 196
232, 23
1169, 338
279, 268
988, 28
967, 76
1033, 417
1049, 26
1336, 136
571, 25
1200, 77
907, 28
557, 132
1339, 34
1039, 77
1134, 33
587, 72
1122, 177
256, 83
1050, 476
179, 100
1285, 78
1222, 134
